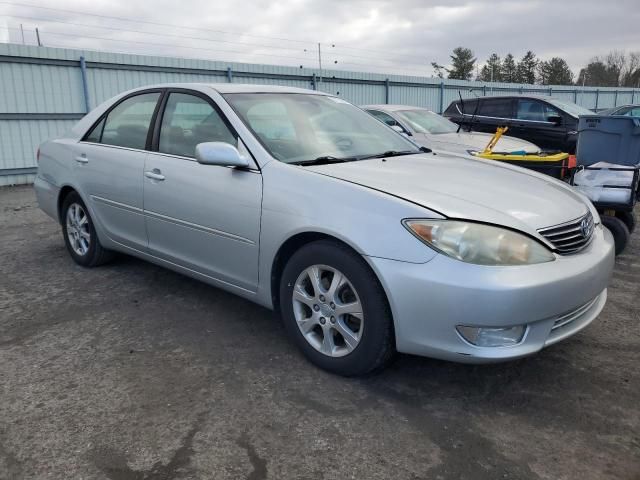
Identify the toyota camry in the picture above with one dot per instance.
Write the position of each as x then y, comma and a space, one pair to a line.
366, 243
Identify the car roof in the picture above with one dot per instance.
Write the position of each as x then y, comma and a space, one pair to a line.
545, 98
235, 88
393, 108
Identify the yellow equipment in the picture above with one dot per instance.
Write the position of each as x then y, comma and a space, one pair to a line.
488, 153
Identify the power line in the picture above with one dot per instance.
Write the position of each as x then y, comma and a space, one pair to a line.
27, 5
104, 27
395, 55
336, 54
49, 32
185, 47
386, 52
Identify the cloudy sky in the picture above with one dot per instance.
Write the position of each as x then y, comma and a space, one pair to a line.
401, 36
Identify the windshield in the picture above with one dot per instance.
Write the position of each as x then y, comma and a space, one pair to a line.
424, 121
571, 108
296, 127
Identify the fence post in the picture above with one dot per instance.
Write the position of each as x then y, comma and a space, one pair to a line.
386, 91
484, 90
521, 90
85, 86
313, 82
229, 75
575, 96
441, 97
615, 99
633, 96
550, 91
597, 97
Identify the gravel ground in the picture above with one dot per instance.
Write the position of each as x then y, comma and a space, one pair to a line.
130, 371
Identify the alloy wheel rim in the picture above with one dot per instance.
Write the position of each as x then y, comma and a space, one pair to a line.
78, 229
328, 310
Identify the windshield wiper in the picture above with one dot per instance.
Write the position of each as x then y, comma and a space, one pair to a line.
325, 159
390, 153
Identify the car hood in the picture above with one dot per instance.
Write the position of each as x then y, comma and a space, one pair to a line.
467, 188
462, 142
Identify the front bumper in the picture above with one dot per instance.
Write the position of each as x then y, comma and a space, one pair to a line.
428, 300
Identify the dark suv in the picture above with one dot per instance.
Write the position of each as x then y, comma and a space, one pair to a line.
547, 122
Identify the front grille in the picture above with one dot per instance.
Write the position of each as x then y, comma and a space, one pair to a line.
571, 236
574, 314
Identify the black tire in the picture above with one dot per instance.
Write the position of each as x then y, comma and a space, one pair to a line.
628, 218
376, 347
96, 254
619, 231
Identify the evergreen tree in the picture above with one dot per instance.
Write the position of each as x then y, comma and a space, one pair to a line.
462, 64
555, 72
526, 69
509, 69
492, 70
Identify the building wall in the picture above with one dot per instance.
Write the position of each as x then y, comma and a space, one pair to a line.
42, 91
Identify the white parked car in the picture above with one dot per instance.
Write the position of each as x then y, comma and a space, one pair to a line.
436, 132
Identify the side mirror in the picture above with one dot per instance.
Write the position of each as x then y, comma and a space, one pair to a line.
220, 153
555, 119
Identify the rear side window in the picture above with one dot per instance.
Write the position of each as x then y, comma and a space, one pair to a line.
496, 107
189, 120
468, 107
127, 124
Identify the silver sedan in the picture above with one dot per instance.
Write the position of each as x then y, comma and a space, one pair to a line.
438, 133
299, 201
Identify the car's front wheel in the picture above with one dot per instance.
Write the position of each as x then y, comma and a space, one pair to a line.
335, 309
80, 235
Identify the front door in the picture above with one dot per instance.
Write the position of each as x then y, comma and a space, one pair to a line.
202, 217
109, 164
533, 123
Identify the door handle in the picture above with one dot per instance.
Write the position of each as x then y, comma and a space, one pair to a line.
82, 158
154, 175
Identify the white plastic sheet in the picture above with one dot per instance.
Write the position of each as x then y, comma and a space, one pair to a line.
594, 183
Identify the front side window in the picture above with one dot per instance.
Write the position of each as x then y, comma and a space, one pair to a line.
535, 111
189, 120
128, 123
496, 107
299, 127
424, 121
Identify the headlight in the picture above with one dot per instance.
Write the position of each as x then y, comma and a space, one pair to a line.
478, 243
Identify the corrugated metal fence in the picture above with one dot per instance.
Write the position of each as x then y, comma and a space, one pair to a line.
43, 91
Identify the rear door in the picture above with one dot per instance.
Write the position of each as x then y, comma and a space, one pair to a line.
492, 113
109, 164
537, 122
202, 217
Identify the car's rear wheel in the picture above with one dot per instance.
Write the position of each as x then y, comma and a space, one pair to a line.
80, 235
335, 309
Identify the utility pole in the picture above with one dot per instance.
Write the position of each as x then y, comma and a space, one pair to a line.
22, 32
492, 69
38, 37
320, 61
